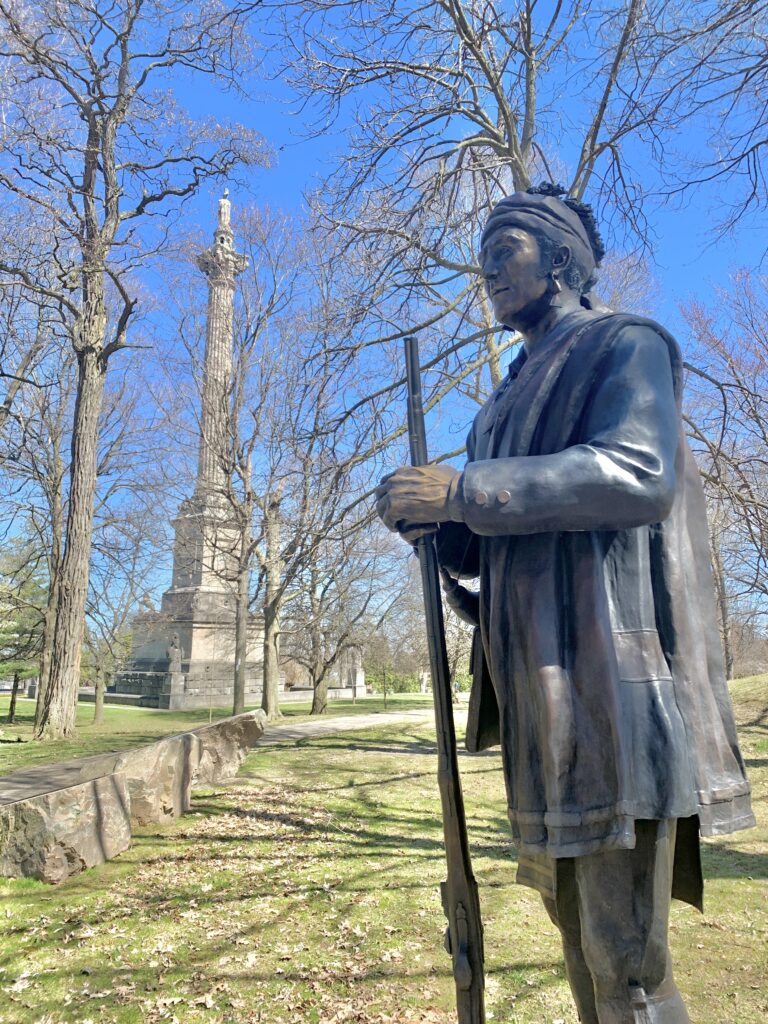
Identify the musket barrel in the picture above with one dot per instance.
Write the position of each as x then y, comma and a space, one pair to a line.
460, 897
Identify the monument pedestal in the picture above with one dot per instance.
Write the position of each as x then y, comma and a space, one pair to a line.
184, 655
172, 694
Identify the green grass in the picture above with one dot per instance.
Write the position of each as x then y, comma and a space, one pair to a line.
307, 891
124, 727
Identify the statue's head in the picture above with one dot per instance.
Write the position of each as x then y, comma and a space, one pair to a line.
540, 244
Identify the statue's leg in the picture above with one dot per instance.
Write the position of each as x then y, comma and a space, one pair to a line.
623, 899
564, 912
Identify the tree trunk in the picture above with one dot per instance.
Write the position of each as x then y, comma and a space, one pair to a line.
320, 695
241, 625
98, 708
319, 673
271, 687
14, 694
57, 718
321, 679
54, 576
269, 698
49, 620
721, 593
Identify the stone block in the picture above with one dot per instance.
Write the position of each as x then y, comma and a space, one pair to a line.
159, 778
224, 746
56, 820
57, 834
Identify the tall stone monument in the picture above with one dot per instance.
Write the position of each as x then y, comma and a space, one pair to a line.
183, 656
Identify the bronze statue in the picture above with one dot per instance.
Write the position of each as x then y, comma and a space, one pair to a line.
580, 510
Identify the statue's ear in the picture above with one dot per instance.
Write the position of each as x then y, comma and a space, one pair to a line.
561, 257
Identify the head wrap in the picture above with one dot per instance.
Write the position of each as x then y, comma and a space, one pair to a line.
547, 215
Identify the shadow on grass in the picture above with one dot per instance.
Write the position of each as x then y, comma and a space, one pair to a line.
366, 847
378, 846
759, 723
20, 718
390, 832
143, 981
414, 743
725, 861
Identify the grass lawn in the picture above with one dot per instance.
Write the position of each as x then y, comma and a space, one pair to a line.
125, 727
307, 893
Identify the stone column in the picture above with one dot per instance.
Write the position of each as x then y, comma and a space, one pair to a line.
221, 265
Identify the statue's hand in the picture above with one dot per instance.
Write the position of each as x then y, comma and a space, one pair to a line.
466, 603
415, 496
411, 532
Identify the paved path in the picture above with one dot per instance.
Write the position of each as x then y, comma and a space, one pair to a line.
46, 778
284, 733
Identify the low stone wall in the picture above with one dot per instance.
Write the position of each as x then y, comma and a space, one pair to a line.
56, 820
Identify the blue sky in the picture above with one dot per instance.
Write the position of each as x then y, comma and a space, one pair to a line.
690, 260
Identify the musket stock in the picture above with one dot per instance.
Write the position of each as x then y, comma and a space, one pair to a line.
461, 903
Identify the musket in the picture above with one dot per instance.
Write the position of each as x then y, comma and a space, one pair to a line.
461, 903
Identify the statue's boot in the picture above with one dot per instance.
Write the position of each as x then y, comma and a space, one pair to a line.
664, 1006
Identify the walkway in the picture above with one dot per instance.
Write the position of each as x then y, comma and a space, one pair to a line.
285, 733
46, 778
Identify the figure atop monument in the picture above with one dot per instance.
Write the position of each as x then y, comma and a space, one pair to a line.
225, 209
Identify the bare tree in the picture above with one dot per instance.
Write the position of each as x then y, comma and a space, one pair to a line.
721, 50
81, 148
22, 604
453, 103
305, 491
127, 548
343, 595
727, 417
35, 471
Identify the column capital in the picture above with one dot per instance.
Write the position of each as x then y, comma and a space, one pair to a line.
221, 262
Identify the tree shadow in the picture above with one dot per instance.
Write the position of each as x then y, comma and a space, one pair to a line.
723, 860
376, 832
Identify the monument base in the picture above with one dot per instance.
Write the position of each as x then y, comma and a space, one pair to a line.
177, 691
183, 657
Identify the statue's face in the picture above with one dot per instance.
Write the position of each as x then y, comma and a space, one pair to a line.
510, 262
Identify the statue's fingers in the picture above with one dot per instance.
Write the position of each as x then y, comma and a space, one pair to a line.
388, 516
412, 532
382, 510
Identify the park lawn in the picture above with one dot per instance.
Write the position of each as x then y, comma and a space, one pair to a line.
307, 893
126, 726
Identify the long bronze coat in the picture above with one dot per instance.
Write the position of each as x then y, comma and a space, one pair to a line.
585, 522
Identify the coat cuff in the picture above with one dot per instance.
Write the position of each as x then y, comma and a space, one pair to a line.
481, 496
455, 502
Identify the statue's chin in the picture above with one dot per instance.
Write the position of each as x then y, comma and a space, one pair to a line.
529, 316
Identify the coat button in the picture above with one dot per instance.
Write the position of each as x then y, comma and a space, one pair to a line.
503, 497
481, 498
